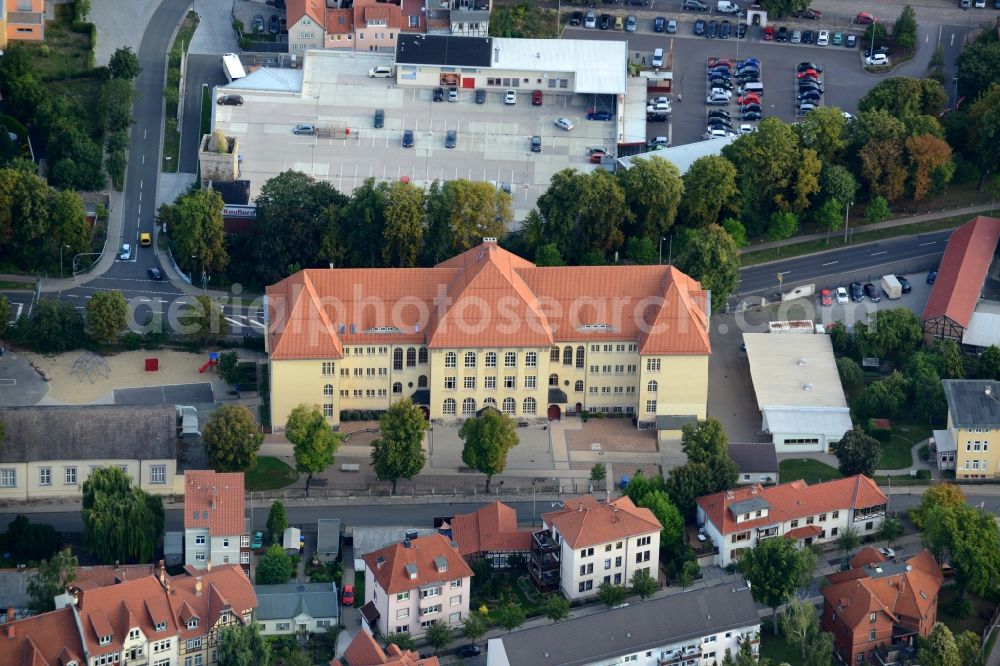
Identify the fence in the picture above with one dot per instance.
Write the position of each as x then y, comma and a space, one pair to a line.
501, 490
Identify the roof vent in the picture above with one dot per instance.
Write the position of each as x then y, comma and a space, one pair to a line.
412, 534
909, 568
490, 239
379, 562
807, 387
803, 361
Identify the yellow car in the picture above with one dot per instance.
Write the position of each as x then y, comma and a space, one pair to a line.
145, 239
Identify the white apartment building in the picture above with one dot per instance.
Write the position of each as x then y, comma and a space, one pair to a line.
215, 527
736, 520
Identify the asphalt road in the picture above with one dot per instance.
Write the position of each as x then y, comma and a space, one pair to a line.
202, 70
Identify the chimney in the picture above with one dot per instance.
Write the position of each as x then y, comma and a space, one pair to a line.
208, 565
579, 507
11, 630
197, 586
10, 614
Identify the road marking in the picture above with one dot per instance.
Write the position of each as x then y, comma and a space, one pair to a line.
930, 243
784, 272
831, 263
875, 254
72, 296
234, 322
257, 323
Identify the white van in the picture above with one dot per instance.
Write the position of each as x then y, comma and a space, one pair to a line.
380, 72
657, 58
727, 7
752, 87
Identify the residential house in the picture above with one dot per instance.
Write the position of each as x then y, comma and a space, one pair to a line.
876, 609
694, 628
297, 608
738, 519
215, 526
491, 533
306, 20
586, 352
328, 539
756, 462
410, 585
364, 25
588, 542
970, 444
14, 583
365, 651
21, 20
49, 639
50, 451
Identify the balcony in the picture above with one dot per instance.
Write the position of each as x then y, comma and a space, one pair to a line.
679, 655
543, 562
751, 637
767, 533
894, 655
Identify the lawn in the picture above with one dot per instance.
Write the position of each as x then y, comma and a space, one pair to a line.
812, 471
975, 621
777, 648
523, 20
270, 474
171, 134
206, 110
896, 450
65, 53
359, 589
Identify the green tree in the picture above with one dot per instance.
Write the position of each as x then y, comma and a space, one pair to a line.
313, 440
405, 225
877, 210
121, 523
972, 539
979, 65
981, 136
643, 584
277, 521
402, 640
899, 95
837, 182
850, 372
203, 321
847, 541
476, 210
438, 635
952, 366
487, 439
107, 316
68, 225
672, 533
581, 213
641, 250
275, 566
55, 326
894, 334
229, 367
883, 398
772, 568
124, 64
612, 595
548, 255
766, 162
557, 607
473, 626
969, 651
904, 31
242, 645
710, 256
704, 441
709, 188
232, 439
27, 541
5, 315
989, 360
782, 225
197, 235
398, 452
52, 578
639, 485
939, 494
653, 189
686, 483
598, 472
823, 130
940, 648
829, 217
795, 623
510, 616
736, 229
890, 530
858, 453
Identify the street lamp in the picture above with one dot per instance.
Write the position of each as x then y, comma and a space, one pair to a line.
670, 250
847, 218
61, 260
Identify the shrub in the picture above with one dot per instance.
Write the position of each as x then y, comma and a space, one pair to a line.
131, 340
924, 452
923, 474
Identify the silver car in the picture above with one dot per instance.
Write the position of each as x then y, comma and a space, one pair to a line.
304, 129
630, 24
564, 124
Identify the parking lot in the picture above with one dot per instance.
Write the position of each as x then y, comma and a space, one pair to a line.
493, 138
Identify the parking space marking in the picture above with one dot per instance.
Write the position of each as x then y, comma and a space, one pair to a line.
929, 243
875, 254
831, 263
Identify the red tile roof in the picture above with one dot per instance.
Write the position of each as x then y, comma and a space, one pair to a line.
491, 528
216, 498
224, 588
804, 532
414, 8
391, 573
963, 270
102, 575
296, 9
364, 651
792, 500
49, 639
585, 521
339, 21
473, 299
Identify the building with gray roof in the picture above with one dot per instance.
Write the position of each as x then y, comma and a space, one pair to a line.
296, 607
699, 625
757, 462
970, 443
328, 539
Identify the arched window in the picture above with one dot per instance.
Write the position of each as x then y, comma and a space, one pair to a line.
468, 407
397, 359
328, 389
411, 357
491, 359
449, 406
529, 406
553, 380
397, 387
567, 356
450, 359
531, 359
470, 359
490, 402
651, 387
422, 381
579, 356
508, 406
554, 355
579, 385
422, 355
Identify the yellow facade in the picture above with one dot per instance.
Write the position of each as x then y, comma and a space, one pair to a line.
977, 452
64, 478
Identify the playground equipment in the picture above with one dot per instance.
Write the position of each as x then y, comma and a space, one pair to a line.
212, 362
90, 366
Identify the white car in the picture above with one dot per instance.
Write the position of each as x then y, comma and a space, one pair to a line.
848, 117
564, 124
721, 92
380, 72
590, 21
824, 38
748, 129
657, 58
718, 134
125, 254
842, 295
888, 552
658, 100
877, 60
510, 97
659, 107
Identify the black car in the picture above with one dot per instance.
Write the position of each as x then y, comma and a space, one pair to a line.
725, 30
657, 117
809, 96
803, 66
480, 96
712, 30
808, 37
752, 108
408, 139
721, 83
719, 113
274, 25
600, 115
932, 276
751, 115
871, 291
576, 18
468, 651
904, 283
451, 139
720, 73
851, 41
810, 84
699, 27
154, 274
439, 94
741, 31
379, 118
605, 22
659, 24
231, 100
781, 35
857, 292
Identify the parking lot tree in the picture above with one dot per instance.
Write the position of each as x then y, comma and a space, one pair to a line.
51, 579
710, 255
988, 368
121, 523
823, 130
893, 333
487, 439
548, 255
904, 30
979, 65
313, 440
197, 235
704, 441
476, 210
612, 595
877, 210
124, 63
581, 213
398, 452
772, 568
403, 235
107, 316
939, 494
653, 189
203, 322
782, 225
362, 224
54, 326
277, 521
473, 626
940, 648
971, 539
875, 34
982, 142
709, 189
782, 8
232, 439
242, 645
875, 125
858, 453
890, 530
930, 164
510, 616
900, 96
643, 584
766, 163
274, 567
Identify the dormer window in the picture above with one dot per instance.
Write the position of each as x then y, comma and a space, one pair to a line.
161, 626
133, 634
192, 623
224, 618
104, 640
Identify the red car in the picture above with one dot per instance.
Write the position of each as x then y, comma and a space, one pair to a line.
749, 98
809, 73
348, 597
536, 98
825, 297
720, 62
768, 33
814, 14
864, 18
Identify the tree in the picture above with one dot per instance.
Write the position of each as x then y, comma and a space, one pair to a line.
203, 321
850, 372
772, 567
972, 539
837, 183
107, 314
828, 216
939, 494
686, 483
882, 165
242, 645
232, 439
509, 616
473, 626
890, 529
736, 229
124, 64
612, 595
548, 255
580, 213
641, 250
55, 326
709, 187
822, 130
952, 366
847, 541
5, 315
766, 162
475, 210
710, 256
402, 640
883, 398
557, 607
438, 635
197, 234
969, 651
979, 66
806, 182
229, 367
895, 334
782, 225
927, 154
313, 440
858, 453
51, 579
121, 523
488, 438
398, 452
643, 584
704, 441
899, 95
277, 521
799, 617
598, 472
981, 137
989, 361
877, 210
904, 31
940, 648
653, 189
275, 567
27, 541
672, 533
67, 224
404, 225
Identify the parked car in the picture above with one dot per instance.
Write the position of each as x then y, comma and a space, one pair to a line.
741, 31
671, 26
536, 144
126, 252
590, 21
695, 5
809, 96
887, 552
904, 283
814, 14
712, 30
769, 33
154, 274
480, 96
825, 297
659, 24
379, 118
749, 98
304, 128
842, 295
877, 60
808, 37
872, 292
725, 30
468, 651
699, 27
781, 35
631, 24
806, 66
576, 18
857, 292
805, 107
510, 97
231, 100
258, 23
851, 41
347, 598
274, 25
657, 60
838, 38
810, 84
619, 23
751, 115
451, 139
257, 542
751, 108
536, 98
564, 124
407, 138
605, 22
796, 37
438, 95
718, 113
864, 18
658, 142
824, 38
932, 276
452, 94
600, 115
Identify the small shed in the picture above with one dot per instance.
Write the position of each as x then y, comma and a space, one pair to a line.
291, 539
327, 539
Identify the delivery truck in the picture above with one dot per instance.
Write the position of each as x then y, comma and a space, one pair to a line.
891, 287
232, 66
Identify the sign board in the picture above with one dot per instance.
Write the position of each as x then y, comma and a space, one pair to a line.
235, 210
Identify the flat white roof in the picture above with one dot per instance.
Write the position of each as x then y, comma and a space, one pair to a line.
984, 326
600, 67
683, 156
830, 421
790, 370
943, 441
270, 79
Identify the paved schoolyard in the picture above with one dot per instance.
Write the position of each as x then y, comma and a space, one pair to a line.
178, 394
20, 383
